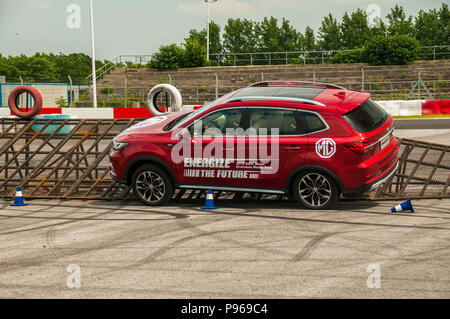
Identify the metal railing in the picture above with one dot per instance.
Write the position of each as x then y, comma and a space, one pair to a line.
270, 58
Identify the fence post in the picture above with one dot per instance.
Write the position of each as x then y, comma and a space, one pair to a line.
251, 58
362, 79
234, 58
125, 77
323, 59
314, 76
217, 86
270, 58
70, 102
286, 58
434, 53
304, 59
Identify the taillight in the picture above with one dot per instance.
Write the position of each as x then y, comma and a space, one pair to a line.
361, 148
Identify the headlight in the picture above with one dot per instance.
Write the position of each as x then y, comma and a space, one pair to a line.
118, 146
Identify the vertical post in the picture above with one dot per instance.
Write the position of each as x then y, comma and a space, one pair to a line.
419, 82
314, 76
434, 53
125, 77
270, 58
234, 58
251, 58
207, 41
362, 79
94, 76
217, 86
323, 58
70, 92
286, 58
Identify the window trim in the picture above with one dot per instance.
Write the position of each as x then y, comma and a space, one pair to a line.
245, 119
215, 111
291, 109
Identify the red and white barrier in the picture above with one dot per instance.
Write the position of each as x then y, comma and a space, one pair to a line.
395, 108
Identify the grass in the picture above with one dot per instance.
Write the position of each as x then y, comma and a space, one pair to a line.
421, 116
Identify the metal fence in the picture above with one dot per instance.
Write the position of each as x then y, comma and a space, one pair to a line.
68, 159
133, 95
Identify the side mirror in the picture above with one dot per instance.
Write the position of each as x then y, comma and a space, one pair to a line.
183, 134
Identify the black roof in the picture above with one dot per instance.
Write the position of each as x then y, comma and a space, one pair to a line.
301, 92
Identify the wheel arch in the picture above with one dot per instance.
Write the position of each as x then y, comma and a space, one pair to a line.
294, 173
135, 163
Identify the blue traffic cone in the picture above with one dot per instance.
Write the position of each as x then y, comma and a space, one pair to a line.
209, 204
18, 199
406, 205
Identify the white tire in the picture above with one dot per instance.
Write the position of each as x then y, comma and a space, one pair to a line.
156, 90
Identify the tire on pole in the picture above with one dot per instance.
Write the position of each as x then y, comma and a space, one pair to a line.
154, 93
15, 109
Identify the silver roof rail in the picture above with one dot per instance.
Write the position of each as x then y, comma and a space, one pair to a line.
328, 85
277, 98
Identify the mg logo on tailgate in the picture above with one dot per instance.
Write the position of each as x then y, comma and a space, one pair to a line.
325, 147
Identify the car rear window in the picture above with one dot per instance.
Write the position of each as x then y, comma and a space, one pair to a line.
366, 117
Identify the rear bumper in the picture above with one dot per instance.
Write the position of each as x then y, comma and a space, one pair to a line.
371, 186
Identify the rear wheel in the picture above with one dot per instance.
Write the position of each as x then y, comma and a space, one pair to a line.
152, 185
315, 190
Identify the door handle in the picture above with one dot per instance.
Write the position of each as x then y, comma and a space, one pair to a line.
292, 148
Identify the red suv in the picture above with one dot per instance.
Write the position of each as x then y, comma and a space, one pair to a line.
313, 140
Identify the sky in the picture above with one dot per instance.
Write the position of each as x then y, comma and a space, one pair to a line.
139, 27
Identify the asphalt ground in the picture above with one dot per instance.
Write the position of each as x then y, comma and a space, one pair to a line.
246, 249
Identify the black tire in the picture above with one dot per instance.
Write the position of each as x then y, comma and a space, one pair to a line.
315, 190
161, 190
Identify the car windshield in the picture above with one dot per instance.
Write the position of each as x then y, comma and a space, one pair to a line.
204, 108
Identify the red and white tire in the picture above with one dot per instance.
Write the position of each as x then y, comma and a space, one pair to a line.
37, 104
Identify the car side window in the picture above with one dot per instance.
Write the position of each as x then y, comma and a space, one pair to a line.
311, 122
263, 120
217, 123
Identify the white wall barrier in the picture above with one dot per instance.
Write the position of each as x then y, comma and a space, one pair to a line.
89, 113
400, 108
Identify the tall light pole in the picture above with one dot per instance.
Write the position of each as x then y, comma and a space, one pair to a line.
94, 75
207, 28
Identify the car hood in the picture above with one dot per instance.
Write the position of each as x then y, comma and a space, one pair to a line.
151, 125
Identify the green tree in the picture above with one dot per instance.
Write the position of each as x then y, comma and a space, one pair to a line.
215, 42
194, 55
169, 57
433, 27
399, 23
355, 30
241, 35
309, 40
329, 34
391, 50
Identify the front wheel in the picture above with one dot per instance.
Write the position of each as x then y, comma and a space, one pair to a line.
315, 190
152, 185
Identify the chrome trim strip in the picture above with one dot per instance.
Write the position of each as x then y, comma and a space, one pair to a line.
380, 139
273, 98
233, 189
384, 179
